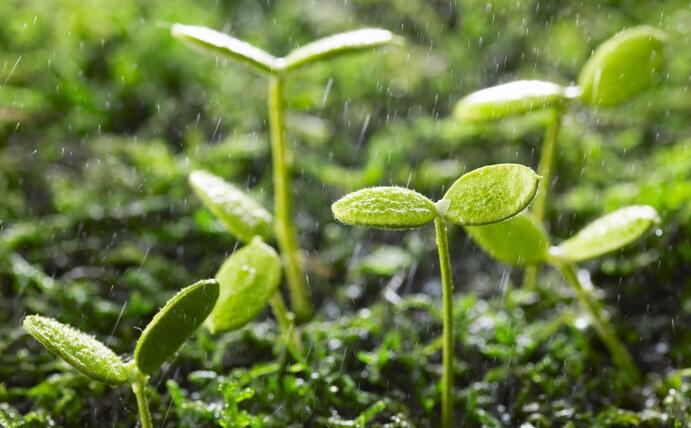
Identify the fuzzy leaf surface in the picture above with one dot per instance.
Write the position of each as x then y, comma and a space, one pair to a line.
517, 241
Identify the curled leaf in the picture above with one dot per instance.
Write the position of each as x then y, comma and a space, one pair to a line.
489, 194
247, 279
338, 44
385, 208
510, 99
608, 233
243, 216
226, 45
622, 66
517, 241
86, 354
174, 324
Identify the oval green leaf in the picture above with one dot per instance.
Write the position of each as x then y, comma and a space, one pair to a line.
510, 99
608, 233
247, 279
244, 217
385, 208
622, 66
226, 45
518, 241
489, 194
86, 354
338, 44
174, 324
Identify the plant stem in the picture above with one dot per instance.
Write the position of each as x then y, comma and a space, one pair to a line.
545, 168
286, 322
285, 232
139, 389
447, 322
620, 355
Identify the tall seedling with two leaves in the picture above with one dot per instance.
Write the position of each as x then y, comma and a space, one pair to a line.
277, 70
159, 341
482, 196
619, 69
522, 240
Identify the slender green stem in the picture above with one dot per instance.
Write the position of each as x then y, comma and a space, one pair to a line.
620, 355
545, 168
286, 322
139, 389
447, 322
285, 232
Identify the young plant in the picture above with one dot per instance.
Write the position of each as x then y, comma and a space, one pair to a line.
619, 69
277, 70
523, 240
159, 341
482, 196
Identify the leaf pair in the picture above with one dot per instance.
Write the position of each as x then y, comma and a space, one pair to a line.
621, 67
484, 195
522, 240
325, 48
161, 338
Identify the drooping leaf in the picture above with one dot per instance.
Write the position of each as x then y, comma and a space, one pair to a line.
510, 99
174, 324
226, 45
86, 354
385, 208
622, 66
243, 216
247, 279
338, 44
517, 241
489, 194
611, 232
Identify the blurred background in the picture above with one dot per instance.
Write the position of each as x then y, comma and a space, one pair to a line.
103, 115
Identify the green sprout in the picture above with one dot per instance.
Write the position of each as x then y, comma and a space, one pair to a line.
277, 69
482, 196
620, 68
160, 340
522, 240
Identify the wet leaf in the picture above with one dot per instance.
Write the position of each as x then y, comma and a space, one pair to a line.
510, 99
226, 45
517, 241
174, 324
622, 66
489, 194
244, 217
247, 279
86, 354
385, 207
338, 44
608, 233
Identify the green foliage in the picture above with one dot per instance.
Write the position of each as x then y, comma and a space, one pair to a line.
86, 354
385, 207
518, 241
247, 279
510, 99
608, 233
174, 324
243, 216
622, 66
489, 194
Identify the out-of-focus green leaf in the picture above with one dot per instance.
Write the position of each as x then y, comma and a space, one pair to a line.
86, 354
247, 279
489, 194
518, 241
385, 207
622, 66
385, 260
174, 324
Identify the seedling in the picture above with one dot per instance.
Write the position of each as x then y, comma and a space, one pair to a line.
159, 341
523, 240
482, 196
277, 70
620, 68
